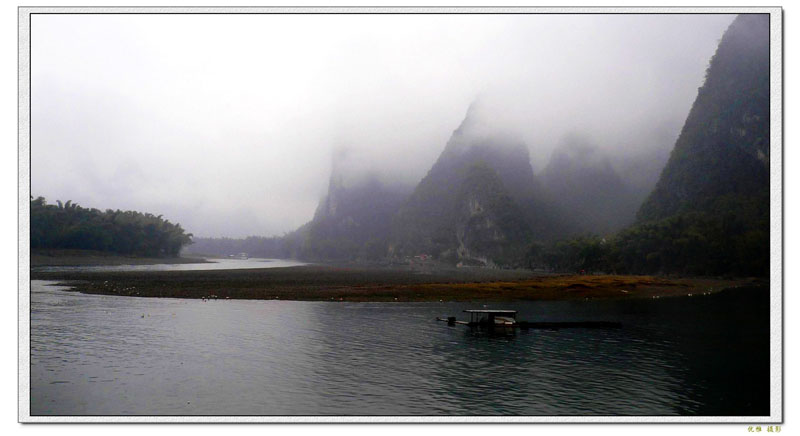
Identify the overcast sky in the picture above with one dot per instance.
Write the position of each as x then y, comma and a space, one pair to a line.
228, 123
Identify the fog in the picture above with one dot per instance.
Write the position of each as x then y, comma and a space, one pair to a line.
229, 124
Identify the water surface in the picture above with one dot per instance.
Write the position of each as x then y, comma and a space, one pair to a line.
212, 264
110, 355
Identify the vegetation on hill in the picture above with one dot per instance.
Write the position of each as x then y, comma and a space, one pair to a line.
723, 148
709, 212
732, 240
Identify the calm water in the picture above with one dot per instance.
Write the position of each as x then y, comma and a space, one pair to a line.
214, 264
107, 355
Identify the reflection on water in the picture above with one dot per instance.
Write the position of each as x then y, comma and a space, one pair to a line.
108, 355
213, 264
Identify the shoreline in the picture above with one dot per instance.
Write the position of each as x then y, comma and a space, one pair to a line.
364, 284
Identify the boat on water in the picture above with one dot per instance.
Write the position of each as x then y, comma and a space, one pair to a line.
492, 317
485, 318
497, 318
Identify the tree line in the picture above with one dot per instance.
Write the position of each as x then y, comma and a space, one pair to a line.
70, 226
733, 241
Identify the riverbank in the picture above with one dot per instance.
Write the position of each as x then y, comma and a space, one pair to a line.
330, 283
95, 258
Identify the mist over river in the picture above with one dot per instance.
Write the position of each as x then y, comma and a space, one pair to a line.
111, 355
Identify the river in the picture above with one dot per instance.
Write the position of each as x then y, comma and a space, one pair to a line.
211, 264
110, 355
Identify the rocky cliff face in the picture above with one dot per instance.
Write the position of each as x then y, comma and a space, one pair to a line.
490, 228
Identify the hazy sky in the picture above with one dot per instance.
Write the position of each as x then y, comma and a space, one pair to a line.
228, 123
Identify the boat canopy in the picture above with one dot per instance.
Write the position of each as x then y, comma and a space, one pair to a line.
491, 315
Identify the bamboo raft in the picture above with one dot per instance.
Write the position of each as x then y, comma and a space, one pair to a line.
505, 319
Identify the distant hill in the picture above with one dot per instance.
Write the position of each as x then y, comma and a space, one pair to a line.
354, 219
352, 222
580, 180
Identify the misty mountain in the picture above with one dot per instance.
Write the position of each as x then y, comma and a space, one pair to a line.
353, 221
580, 180
641, 161
479, 203
705, 209
709, 211
723, 149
